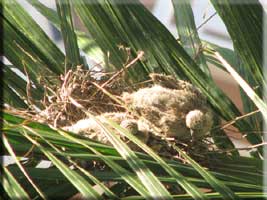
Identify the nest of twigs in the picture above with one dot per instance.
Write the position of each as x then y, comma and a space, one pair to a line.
85, 86
101, 93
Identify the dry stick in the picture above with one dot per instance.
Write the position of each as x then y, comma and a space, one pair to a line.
99, 87
247, 148
95, 65
56, 119
65, 80
63, 94
206, 21
111, 79
232, 122
139, 56
143, 82
74, 102
127, 50
253, 146
238, 118
28, 86
202, 24
201, 47
247, 132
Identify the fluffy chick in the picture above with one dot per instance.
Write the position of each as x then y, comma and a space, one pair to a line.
175, 107
89, 128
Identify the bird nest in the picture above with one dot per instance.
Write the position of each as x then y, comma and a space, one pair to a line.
161, 113
85, 87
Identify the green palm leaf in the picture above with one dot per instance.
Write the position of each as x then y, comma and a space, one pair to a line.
188, 35
67, 30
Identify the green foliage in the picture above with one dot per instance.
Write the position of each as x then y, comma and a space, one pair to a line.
112, 24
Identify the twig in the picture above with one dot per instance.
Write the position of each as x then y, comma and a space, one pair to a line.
56, 119
246, 132
231, 122
253, 146
201, 25
206, 21
247, 148
99, 87
111, 79
238, 118
28, 86
63, 90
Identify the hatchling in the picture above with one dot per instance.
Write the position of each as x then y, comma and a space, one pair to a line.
89, 128
175, 107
